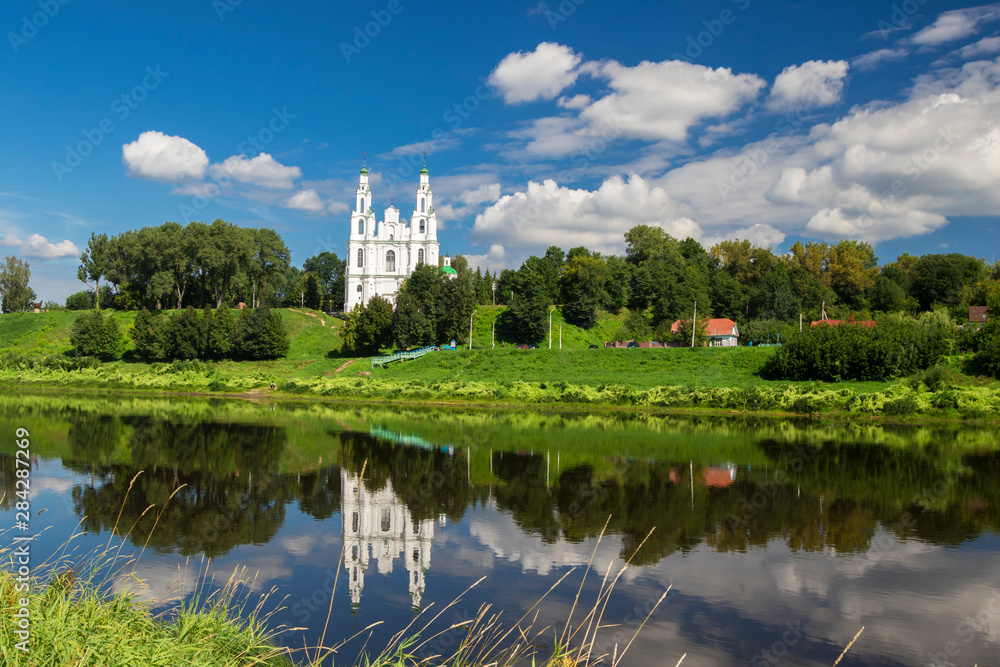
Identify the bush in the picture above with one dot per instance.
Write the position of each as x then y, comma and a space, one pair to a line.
906, 405
95, 335
897, 346
261, 334
183, 336
148, 334
987, 358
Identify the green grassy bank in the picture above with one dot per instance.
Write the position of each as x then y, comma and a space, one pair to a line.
32, 347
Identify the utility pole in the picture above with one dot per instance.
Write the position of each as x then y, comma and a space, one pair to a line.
494, 292
493, 338
560, 335
470, 327
552, 309
694, 322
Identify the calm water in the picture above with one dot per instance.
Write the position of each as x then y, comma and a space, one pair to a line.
780, 538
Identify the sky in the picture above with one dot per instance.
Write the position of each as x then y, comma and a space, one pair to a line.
562, 122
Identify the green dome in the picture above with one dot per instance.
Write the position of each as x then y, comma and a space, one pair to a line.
424, 171
448, 270
364, 170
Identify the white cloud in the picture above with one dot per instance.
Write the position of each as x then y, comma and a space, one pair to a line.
495, 259
305, 200
815, 83
882, 172
163, 157
575, 102
262, 170
38, 246
551, 137
661, 101
468, 201
873, 59
539, 74
549, 214
984, 47
956, 24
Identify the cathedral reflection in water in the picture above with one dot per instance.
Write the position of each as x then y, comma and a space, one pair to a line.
378, 525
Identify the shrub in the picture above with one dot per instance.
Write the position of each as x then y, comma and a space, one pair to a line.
897, 346
95, 335
906, 405
183, 336
221, 334
80, 301
987, 358
148, 334
261, 334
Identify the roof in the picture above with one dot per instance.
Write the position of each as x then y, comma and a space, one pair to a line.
836, 323
448, 269
716, 326
977, 313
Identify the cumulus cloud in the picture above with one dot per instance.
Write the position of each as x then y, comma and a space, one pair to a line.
815, 83
468, 200
262, 170
661, 101
305, 200
163, 157
539, 74
548, 214
38, 246
956, 24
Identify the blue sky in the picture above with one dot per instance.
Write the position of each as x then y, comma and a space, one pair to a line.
545, 123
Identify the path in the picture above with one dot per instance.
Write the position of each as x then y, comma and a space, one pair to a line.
302, 312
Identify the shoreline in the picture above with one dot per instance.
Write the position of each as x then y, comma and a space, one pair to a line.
263, 394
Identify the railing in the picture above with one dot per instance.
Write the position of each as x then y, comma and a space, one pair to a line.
408, 354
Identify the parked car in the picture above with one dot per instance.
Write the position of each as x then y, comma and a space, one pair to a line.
593, 347
632, 343
522, 347
533, 346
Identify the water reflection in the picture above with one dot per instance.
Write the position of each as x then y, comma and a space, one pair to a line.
758, 523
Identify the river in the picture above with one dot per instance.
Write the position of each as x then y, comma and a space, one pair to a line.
778, 539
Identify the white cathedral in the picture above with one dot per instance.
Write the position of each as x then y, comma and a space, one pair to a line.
381, 255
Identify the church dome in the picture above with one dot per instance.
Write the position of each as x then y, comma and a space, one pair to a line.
447, 270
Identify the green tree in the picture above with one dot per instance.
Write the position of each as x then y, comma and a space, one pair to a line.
415, 320
635, 327
80, 301
887, 295
774, 297
148, 334
940, 279
14, 277
852, 267
582, 288
222, 333
266, 265
261, 334
372, 330
454, 307
313, 297
528, 313
183, 336
94, 263
329, 270
94, 335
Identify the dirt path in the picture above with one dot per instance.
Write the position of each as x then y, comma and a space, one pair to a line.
321, 320
346, 364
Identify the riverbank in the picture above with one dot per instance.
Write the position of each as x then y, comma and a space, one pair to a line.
675, 380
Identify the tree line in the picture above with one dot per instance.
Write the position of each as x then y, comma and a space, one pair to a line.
173, 266
257, 333
658, 281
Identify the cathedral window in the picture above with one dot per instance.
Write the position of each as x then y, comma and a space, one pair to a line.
361, 205
354, 552
416, 556
355, 520
361, 226
422, 226
390, 261
361, 256
359, 288
423, 203
420, 253
386, 520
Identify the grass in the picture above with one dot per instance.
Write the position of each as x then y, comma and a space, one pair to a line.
659, 378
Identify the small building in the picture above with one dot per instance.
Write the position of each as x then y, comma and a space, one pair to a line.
721, 331
977, 314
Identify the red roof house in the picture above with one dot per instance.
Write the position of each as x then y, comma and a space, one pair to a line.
721, 331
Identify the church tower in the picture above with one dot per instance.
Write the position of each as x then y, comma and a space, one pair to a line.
381, 255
